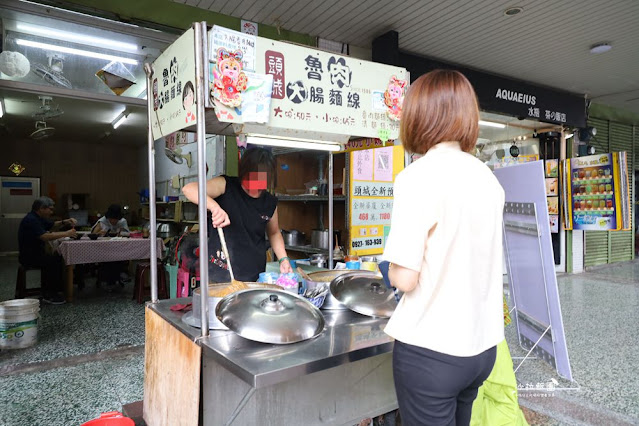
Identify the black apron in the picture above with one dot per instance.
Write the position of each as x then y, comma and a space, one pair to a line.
245, 236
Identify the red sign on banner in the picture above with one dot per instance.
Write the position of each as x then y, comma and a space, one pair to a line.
275, 67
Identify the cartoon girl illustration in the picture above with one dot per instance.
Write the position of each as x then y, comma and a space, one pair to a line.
229, 78
394, 98
188, 100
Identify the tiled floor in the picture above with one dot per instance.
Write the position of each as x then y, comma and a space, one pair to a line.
89, 358
600, 313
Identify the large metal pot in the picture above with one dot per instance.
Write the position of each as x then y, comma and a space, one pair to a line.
325, 277
167, 229
321, 240
293, 237
194, 318
270, 316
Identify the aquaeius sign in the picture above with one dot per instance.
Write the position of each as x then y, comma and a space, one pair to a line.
499, 94
522, 98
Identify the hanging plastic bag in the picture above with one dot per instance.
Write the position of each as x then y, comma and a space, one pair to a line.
117, 77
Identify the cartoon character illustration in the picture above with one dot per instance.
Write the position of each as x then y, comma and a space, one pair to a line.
229, 79
394, 98
188, 100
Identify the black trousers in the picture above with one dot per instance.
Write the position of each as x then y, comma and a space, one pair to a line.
52, 268
436, 389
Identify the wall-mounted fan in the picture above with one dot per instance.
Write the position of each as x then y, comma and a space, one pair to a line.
42, 131
52, 73
46, 111
177, 157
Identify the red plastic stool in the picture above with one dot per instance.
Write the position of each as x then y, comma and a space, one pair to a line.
112, 418
141, 289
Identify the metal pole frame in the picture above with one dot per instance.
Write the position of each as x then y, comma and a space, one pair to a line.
330, 210
148, 68
201, 60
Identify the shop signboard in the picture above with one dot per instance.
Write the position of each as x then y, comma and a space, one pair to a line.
321, 92
372, 173
495, 93
595, 192
173, 87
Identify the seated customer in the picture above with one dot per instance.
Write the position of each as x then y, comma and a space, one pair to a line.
36, 229
112, 224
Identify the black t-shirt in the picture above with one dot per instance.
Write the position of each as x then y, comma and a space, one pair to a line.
245, 236
30, 245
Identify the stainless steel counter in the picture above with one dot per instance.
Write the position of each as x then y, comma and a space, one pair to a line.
338, 378
347, 337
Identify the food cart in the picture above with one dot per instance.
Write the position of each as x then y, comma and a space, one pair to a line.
265, 92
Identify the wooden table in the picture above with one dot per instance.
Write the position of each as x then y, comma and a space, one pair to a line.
104, 249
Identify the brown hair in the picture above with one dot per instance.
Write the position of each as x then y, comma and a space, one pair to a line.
440, 106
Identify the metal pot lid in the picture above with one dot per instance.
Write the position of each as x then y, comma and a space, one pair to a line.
328, 276
364, 295
270, 316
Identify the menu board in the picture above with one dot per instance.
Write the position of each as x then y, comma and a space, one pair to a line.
372, 173
596, 189
312, 90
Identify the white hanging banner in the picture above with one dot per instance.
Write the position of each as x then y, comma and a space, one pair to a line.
313, 91
173, 87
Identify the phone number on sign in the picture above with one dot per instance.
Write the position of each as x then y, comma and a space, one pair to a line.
367, 243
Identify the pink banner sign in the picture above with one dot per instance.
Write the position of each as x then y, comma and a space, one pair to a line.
363, 165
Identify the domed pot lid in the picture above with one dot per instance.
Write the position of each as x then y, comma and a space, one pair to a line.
364, 295
270, 316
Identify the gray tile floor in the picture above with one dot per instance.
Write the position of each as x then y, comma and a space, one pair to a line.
89, 358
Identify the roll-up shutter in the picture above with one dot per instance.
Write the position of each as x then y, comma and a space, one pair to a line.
621, 243
615, 246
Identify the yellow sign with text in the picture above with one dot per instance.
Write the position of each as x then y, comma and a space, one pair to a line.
372, 173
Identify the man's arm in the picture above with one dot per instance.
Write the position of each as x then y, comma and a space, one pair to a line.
50, 236
59, 223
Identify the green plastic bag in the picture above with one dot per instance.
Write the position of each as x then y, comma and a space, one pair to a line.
496, 403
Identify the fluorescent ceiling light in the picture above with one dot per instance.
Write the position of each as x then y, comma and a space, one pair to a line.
119, 119
294, 143
1, 109
492, 124
600, 48
78, 52
78, 38
570, 135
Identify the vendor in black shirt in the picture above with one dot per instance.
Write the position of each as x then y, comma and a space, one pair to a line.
35, 230
246, 210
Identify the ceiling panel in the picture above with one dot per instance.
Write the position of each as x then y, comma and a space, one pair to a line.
82, 120
548, 43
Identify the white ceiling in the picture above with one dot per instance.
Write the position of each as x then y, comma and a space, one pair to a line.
548, 43
83, 120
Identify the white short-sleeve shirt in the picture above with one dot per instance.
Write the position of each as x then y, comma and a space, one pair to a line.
447, 225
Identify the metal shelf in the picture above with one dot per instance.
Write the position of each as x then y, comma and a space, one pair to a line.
310, 198
306, 249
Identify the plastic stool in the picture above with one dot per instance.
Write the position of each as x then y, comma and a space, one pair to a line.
21, 283
141, 290
182, 283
